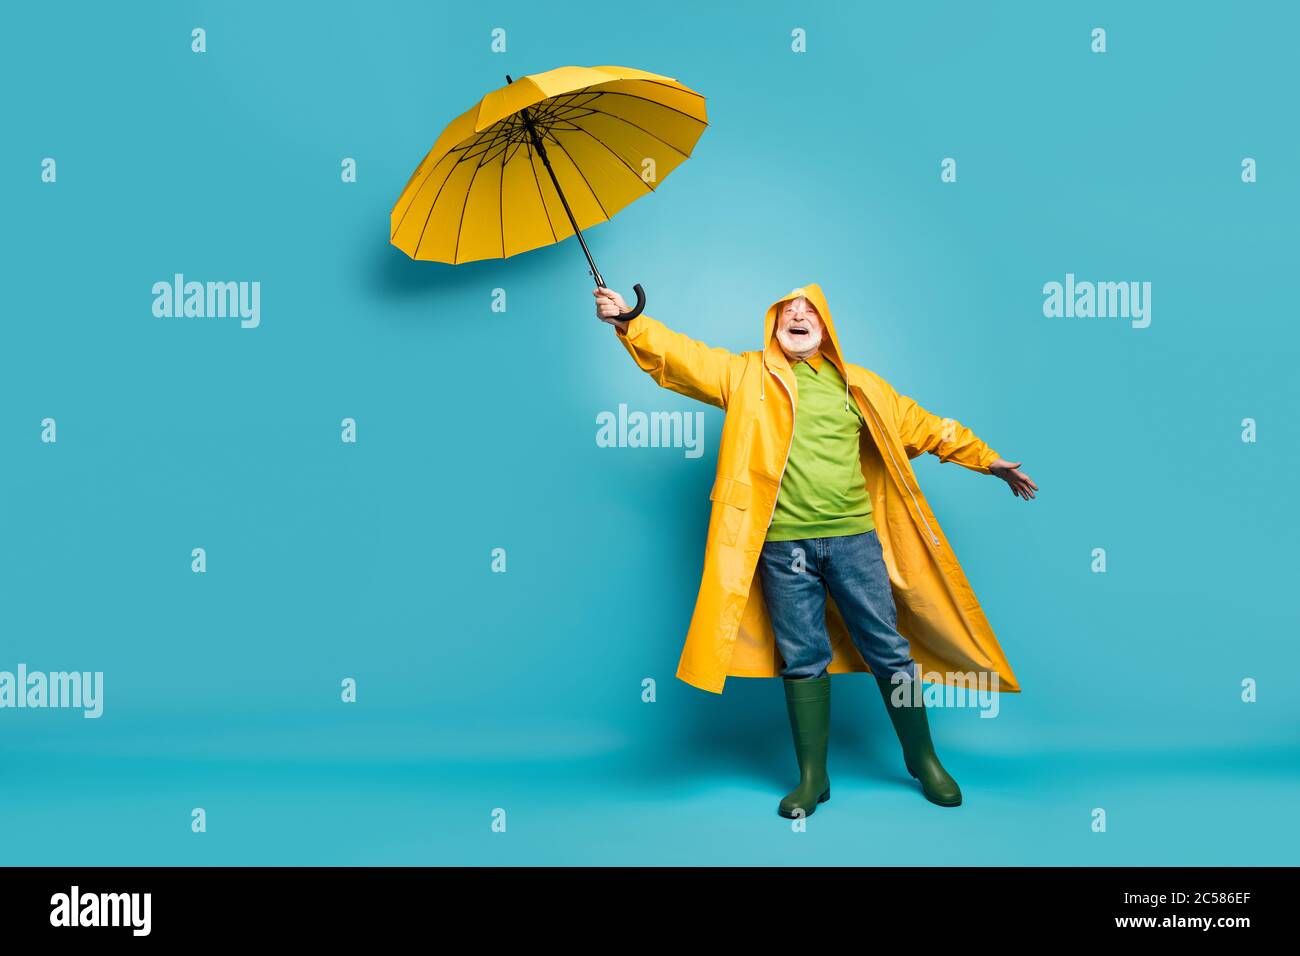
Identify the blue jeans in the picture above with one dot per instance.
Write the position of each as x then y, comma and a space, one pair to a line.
796, 577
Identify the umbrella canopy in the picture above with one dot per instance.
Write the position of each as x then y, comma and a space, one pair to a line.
542, 158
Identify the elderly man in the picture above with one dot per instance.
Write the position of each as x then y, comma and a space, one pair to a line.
818, 526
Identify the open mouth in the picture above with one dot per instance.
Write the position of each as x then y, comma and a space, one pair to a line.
797, 330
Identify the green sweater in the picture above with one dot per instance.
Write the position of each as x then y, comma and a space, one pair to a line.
823, 493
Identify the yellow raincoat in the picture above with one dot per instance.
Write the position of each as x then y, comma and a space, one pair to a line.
730, 633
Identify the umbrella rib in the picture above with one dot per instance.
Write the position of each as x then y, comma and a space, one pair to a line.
480, 146
684, 155
423, 229
545, 208
671, 86
428, 215
499, 130
501, 202
628, 166
420, 189
648, 100
501, 214
455, 253
468, 190
584, 177
548, 107
598, 93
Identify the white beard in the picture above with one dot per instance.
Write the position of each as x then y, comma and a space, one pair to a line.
800, 346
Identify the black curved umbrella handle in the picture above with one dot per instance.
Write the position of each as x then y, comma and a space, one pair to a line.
640, 304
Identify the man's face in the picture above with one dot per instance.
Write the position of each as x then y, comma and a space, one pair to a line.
799, 329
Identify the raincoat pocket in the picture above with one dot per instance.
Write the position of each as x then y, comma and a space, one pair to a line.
733, 496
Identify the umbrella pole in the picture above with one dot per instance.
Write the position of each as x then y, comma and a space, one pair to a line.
541, 151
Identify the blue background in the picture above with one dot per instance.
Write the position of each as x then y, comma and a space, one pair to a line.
477, 430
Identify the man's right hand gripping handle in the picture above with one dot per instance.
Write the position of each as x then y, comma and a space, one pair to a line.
611, 308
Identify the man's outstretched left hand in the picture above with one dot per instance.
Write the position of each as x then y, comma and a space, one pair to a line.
1022, 486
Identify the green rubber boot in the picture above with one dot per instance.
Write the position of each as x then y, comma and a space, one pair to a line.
808, 703
913, 729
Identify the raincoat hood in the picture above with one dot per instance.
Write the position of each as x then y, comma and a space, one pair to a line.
830, 347
813, 293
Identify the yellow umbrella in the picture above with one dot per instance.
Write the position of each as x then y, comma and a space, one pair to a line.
603, 136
